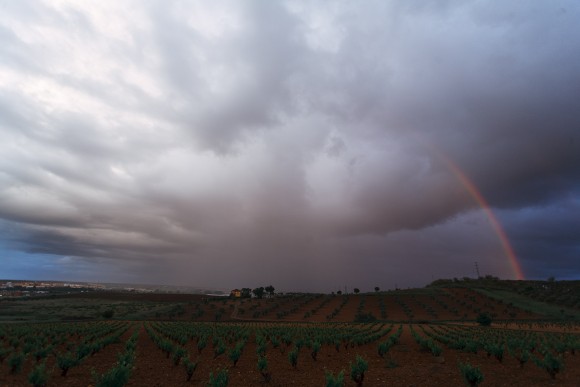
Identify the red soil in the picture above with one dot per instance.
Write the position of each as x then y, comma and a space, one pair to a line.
413, 367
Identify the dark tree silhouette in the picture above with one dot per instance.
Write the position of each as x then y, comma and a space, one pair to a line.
484, 319
259, 292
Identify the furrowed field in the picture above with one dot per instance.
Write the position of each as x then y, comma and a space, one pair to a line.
421, 337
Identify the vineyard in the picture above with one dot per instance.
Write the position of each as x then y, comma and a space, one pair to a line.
427, 337
418, 305
168, 353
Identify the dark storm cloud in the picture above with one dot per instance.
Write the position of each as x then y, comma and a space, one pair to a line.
237, 83
236, 141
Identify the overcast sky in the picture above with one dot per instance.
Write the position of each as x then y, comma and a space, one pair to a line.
304, 144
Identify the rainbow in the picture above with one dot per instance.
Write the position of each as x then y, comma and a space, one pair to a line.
496, 225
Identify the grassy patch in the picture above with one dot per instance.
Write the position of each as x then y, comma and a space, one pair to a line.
537, 307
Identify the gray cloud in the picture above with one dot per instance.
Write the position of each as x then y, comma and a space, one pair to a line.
189, 142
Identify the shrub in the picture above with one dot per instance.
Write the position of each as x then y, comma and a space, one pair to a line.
384, 348
15, 362
523, 357
115, 377
293, 357
299, 343
552, 364
83, 351
263, 368
261, 349
66, 362
364, 318
108, 313
219, 349
471, 375
3, 353
125, 359
357, 370
178, 353
315, 349
38, 377
190, 367
166, 346
435, 349
497, 352
221, 379
484, 319
42, 353
201, 344
334, 381
235, 354
275, 341
470, 346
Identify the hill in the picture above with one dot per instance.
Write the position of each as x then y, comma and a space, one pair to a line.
554, 299
443, 300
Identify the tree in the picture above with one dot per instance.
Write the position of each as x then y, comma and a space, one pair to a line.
377, 288
357, 290
339, 292
270, 289
484, 319
246, 292
259, 292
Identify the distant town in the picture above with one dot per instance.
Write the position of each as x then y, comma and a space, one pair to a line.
29, 288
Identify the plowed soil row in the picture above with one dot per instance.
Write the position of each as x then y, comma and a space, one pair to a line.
80, 375
404, 365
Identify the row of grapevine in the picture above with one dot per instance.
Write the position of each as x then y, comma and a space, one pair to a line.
546, 349
65, 345
269, 352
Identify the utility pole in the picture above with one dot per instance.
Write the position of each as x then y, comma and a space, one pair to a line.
477, 270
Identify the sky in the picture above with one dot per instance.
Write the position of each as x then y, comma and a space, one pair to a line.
310, 145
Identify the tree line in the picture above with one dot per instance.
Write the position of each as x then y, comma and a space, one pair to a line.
258, 292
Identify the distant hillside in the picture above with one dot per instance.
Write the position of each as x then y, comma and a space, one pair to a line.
454, 300
555, 298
